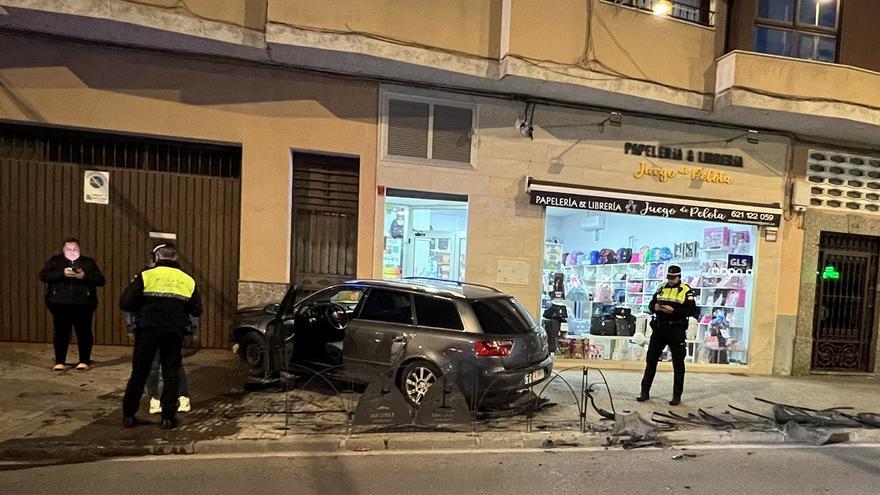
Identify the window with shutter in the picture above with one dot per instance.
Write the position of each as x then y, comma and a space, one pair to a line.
452, 134
408, 128
429, 131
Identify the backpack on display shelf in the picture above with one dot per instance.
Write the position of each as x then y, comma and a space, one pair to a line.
607, 257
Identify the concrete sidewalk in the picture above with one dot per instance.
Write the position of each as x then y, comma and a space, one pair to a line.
78, 414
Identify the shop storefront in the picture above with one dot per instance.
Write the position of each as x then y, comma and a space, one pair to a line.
606, 252
706, 198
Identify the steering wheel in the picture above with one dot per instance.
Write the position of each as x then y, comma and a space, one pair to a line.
336, 316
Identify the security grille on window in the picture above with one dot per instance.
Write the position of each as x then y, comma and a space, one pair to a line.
696, 11
804, 29
429, 131
844, 181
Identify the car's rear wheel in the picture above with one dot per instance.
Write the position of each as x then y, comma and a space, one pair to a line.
416, 379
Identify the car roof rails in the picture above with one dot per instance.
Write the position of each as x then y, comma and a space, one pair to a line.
456, 282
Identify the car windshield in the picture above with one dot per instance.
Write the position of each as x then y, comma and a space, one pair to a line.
502, 316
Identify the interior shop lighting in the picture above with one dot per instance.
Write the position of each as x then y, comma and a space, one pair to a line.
662, 7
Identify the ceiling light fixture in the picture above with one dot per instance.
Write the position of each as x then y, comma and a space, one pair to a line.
752, 137
615, 119
662, 7
524, 123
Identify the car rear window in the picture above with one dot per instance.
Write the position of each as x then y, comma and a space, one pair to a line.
437, 313
502, 316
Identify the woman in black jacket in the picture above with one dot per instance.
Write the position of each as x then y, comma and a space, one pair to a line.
72, 297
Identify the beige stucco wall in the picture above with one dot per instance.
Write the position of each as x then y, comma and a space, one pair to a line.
781, 84
568, 147
244, 13
799, 78
466, 26
634, 43
269, 112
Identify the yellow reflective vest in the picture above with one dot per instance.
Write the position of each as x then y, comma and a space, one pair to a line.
166, 281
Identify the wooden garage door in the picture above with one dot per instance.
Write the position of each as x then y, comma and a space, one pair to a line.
156, 185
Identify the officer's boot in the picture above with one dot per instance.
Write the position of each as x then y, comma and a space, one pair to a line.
643, 396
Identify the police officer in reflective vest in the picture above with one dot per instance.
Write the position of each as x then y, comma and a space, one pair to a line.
672, 305
163, 298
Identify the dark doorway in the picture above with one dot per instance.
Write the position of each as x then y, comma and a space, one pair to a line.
325, 220
844, 321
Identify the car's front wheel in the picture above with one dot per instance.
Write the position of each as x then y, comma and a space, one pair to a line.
416, 379
253, 354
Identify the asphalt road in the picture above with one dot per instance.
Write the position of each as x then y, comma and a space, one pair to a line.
728, 471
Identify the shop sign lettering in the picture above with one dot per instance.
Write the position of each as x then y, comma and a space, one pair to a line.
568, 202
740, 261
681, 154
658, 208
664, 174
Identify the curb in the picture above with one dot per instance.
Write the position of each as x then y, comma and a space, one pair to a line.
378, 442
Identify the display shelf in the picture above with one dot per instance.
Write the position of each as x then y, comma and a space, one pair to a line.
675, 261
707, 286
587, 265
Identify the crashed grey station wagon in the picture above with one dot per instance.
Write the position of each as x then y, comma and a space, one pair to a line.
413, 331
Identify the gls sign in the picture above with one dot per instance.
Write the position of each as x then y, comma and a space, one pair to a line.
740, 262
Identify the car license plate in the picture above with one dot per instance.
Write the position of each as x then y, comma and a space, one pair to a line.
535, 376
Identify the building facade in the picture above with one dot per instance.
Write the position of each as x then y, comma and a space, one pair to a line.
483, 140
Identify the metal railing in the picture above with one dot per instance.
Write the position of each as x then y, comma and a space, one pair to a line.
698, 14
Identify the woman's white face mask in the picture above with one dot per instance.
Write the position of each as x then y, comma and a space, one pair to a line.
71, 251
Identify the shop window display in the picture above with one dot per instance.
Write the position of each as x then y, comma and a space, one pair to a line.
425, 238
605, 267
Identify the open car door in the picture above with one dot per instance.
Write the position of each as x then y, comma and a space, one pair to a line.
277, 358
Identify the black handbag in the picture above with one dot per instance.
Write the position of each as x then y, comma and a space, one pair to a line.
603, 326
625, 326
622, 311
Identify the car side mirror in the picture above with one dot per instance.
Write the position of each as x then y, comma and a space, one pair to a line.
271, 309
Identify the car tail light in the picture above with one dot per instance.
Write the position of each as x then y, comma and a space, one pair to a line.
494, 348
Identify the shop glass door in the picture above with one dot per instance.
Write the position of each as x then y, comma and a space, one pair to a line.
435, 255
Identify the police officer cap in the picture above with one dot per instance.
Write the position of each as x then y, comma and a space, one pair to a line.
673, 271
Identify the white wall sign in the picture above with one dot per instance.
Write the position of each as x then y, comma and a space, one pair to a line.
96, 187
512, 271
171, 236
